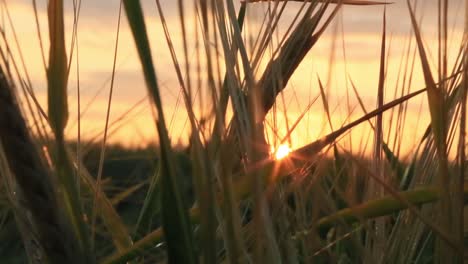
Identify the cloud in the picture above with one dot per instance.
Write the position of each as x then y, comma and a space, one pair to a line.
361, 25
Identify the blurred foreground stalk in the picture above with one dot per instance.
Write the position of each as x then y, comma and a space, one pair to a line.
33, 186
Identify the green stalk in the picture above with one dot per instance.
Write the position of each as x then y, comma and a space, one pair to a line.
175, 219
383, 206
436, 97
57, 78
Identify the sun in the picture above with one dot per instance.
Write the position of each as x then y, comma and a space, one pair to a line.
281, 151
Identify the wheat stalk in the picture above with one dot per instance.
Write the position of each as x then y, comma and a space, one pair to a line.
34, 183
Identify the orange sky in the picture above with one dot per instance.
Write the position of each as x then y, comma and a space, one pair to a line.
360, 26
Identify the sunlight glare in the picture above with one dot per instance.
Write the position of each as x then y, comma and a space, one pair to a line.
282, 151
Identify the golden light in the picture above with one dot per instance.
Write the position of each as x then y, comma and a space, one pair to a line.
281, 152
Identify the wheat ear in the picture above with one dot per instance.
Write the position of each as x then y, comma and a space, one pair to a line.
35, 188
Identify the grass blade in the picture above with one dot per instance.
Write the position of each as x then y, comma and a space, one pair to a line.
176, 225
108, 214
151, 205
344, 2
394, 161
177, 228
383, 206
438, 111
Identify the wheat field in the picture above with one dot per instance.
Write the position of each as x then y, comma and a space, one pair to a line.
233, 131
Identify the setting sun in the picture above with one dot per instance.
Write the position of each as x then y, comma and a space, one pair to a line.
281, 152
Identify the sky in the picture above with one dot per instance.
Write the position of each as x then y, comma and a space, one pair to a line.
351, 45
